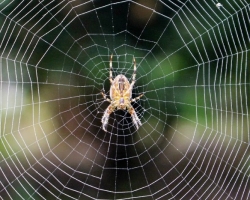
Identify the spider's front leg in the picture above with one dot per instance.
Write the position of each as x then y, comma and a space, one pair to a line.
105, 117
104, 96
133, 100
134, 116
110, 70
134, 75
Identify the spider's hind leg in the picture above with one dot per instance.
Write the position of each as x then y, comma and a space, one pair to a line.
135, 118
105, 117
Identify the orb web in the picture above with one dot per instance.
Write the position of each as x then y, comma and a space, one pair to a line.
192, 67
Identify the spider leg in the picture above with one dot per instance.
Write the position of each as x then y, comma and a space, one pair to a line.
134, 99
110, 69
105, 117
104, 96
134, 74
134, 116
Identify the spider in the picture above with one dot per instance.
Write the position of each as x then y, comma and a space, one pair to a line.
120, 96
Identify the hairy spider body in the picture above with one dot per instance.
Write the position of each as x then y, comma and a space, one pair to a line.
120, 96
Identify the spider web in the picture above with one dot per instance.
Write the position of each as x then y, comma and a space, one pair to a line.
192, 67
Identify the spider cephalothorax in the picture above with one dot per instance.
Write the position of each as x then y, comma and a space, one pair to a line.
120, 96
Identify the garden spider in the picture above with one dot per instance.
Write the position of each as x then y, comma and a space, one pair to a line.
120, 96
